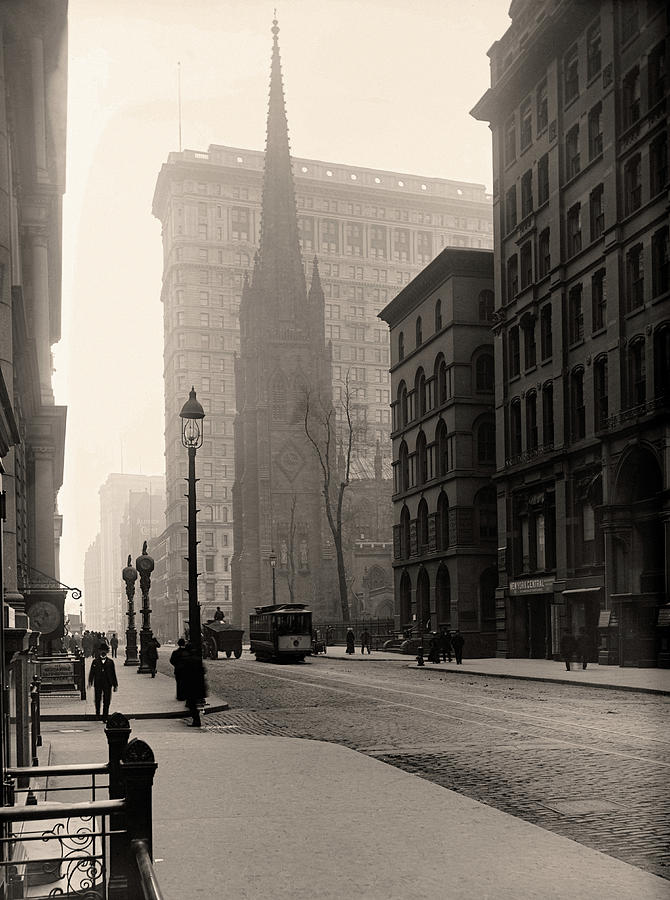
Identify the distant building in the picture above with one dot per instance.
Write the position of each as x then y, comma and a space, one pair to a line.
442, 380
579, 115
371, 231
132, 510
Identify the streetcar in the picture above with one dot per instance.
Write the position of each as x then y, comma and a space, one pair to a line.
281, 631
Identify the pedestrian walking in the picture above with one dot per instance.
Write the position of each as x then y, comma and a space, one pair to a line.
114, 644
445, 645
351, 641
102, 676
583, 647
434, 649
151, 655
366, 640
193, 683
177, 663
567, 647
457, 642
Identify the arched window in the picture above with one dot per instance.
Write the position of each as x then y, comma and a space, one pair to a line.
421, 459
402, 404
423, 599
486, 443
443, 597
419, 332
486, 306
515, 427
637, 373
441, 378
484, 377
404, 533
405, 600
486, 514
404, 467
442, 449
279, 399
442, 521
577, 411
438, 315
422, 526
420, 392
600, 392
401, 346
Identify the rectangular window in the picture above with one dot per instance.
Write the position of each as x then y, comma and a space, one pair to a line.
656, 69
598, 300
632, 185
239, 220
575, 314
629, 20
658, 164
571, 74
526, 257
543, 179
600, 393
546, 332
595, 131
510, 209
631, 97
510, 141
572, 153
660, 264
543, 254
593, 51
529, 344
578, 413
548, 415
527, 194
596, 212
526, 135
512, 277
634, 277
514, 352
574, 226
542, 113
531, 421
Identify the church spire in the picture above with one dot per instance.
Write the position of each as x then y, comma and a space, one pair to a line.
280, 258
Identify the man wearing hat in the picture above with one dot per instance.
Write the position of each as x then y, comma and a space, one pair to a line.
102, 676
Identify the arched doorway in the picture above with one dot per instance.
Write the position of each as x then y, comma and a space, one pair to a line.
405, 600
443, 597
423, 600
638, 551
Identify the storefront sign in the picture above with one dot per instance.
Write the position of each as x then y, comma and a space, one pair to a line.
532, 586
57, 673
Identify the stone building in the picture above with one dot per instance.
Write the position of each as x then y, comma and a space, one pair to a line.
442, 382
33, 84
371, 231
282, 374
578, 111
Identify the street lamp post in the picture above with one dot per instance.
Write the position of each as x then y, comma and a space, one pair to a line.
273, 566
145, 566
130, 577
192, 414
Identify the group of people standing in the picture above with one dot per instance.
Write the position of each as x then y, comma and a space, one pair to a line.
366, 641
442, 645
91, 642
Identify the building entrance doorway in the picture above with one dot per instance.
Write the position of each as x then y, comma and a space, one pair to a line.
532, 626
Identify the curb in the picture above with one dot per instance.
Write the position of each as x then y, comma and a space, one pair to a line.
172, 714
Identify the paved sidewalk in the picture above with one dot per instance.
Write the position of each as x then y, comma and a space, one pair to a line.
138, 697
655, 681
259, 816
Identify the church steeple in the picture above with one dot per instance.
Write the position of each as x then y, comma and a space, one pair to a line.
280, 261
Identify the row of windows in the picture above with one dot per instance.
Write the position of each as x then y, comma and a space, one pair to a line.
485, 303
433, 531
436, 459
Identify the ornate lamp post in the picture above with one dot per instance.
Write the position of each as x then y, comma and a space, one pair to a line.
145, 566
273, 566
192, 414
130, 577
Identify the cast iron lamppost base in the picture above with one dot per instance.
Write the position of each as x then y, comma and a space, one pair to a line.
145, 566
192, 414
130, 577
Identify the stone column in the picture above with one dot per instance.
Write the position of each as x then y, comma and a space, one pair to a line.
40, 311
43, 502
39, 106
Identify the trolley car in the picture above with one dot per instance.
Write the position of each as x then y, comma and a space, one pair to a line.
282, 631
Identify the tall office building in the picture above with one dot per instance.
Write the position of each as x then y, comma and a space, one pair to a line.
579, 115
371, 230
132, 510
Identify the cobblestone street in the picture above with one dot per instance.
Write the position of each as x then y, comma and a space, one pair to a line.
588, 764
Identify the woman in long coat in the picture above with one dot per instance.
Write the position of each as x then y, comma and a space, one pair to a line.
351, 641
192, 682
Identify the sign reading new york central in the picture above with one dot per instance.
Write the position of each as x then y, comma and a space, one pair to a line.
532, 586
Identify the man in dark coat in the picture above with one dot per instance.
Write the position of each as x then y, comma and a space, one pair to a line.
351, 641
457, 641
366, 640
176, 661
567, 647
151, 655
445, 645
114, 644
102, 676
583, 647
218, 615
193, 683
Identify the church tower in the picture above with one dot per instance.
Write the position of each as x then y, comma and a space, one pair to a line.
283, 360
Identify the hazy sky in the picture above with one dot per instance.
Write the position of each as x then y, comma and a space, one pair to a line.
382, 84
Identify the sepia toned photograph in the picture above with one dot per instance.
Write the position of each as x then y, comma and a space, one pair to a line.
334, 449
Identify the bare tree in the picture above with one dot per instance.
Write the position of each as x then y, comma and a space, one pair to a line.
290, 570
321, 431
